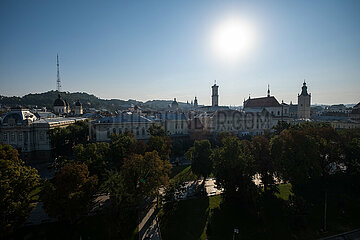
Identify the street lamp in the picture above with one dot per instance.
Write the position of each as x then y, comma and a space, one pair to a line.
236, 231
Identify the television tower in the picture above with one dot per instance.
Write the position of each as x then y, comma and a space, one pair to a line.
58, 82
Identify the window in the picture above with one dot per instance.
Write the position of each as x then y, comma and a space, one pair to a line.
143, 131
5, 137
278, 113
12, 136
20, 136
42, 136
114, 130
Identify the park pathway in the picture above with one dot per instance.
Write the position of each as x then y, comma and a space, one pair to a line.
149, 226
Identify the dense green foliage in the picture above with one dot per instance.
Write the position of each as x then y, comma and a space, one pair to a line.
68, 196
64, 139
312, 160
17, 182
199, 154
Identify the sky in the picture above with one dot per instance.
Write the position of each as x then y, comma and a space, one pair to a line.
156, 49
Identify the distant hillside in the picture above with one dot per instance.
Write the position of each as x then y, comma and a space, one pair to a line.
47, 99
164, 104
88, 100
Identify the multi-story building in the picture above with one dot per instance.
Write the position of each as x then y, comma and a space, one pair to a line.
271, 105
175, 123
101, 130
29, 134
253, 122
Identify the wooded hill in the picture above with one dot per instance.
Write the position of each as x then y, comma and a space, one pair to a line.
47, 99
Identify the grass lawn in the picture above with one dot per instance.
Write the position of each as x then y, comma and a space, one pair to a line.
284, 191
182, 174
188, 219
175, 170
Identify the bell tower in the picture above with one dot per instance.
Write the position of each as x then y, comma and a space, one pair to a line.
215, 95
304, 103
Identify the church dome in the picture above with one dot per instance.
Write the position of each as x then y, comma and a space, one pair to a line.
78, 103
174, 104
59, 102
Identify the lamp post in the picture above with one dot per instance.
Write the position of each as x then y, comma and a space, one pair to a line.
236, 231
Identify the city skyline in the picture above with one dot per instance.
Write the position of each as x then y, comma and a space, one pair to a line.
147, 51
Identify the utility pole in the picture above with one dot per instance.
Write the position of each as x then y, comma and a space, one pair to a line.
58, 83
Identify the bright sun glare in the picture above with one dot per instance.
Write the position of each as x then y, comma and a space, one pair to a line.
232, 39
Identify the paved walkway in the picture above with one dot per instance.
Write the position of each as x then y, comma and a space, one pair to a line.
149, 226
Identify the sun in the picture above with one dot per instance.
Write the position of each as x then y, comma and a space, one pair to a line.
232, 39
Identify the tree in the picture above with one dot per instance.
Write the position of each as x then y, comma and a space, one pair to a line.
162, 145
68, 196
233, 168
297, 157
145, 174
64, 139
17, 181
157, 130
95, 156
263, 162
201, 163
280, 126
122, 146
122, 209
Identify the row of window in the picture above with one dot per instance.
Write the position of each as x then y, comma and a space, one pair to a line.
20, 136
136, 132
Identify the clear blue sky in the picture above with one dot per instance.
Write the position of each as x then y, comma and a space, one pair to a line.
160, 49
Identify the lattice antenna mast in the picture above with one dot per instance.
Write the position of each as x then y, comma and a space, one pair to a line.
58, 82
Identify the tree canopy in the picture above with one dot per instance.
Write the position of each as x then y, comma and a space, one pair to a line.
68, 196
17, 182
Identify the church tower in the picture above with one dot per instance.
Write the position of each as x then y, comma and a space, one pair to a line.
304, 102
215, 95
195, 102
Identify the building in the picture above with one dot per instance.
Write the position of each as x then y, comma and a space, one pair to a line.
176, 124
78, 109
61, 106
196, 103
174, 105
239, 123
304, 102
29, 134
271, 105
355, 112
215, 95
101, 130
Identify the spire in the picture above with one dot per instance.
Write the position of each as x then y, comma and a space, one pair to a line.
304, 89
58, 83
268, 91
